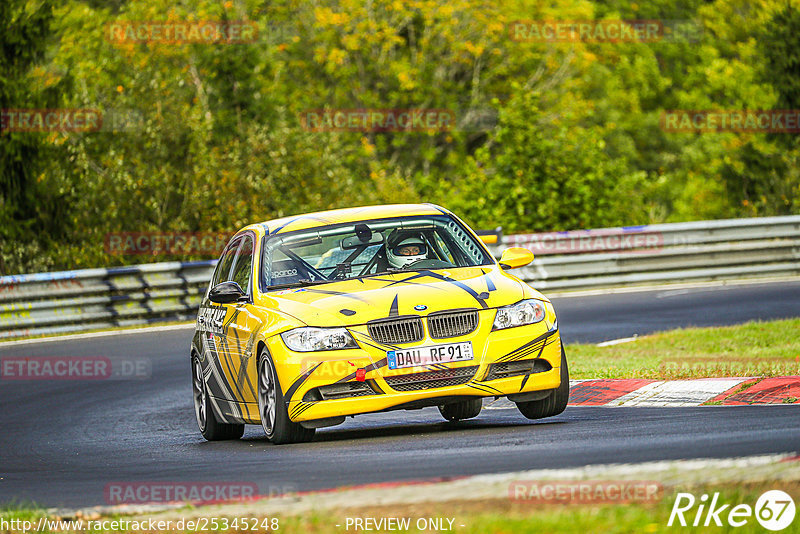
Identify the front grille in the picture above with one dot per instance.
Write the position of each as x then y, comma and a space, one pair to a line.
432, 379
518, 368
452, 324
339, 391
391, 331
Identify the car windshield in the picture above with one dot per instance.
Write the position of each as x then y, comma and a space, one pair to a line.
367, 248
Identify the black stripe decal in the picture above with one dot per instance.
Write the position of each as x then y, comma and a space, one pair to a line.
297, 383
476, 386
530, 343
489, 283
525, 353
229, 361
527, 376
462, 285
487, 386
380, 346
300, 408
520, 354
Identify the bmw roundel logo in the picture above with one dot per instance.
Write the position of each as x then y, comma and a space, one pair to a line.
420, 307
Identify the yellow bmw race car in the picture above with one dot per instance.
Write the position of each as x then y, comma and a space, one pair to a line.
312, 318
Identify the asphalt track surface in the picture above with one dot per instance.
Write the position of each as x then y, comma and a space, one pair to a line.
61, 443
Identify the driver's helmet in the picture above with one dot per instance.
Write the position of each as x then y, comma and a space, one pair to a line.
406, 252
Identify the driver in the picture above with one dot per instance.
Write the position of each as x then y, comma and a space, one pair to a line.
407, 251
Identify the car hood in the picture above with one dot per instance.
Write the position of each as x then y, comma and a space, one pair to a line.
357, 301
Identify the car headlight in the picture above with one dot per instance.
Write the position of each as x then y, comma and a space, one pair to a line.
310, 339
522, 313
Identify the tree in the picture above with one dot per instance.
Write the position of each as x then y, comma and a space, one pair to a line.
27, 209
22, 46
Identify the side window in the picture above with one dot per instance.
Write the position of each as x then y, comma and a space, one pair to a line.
243, 266
224, 264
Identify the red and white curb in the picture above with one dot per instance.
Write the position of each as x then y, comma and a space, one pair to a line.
734, 391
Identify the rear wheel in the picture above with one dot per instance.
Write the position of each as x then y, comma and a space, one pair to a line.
553, 404
272, 407
458, 411
211, 429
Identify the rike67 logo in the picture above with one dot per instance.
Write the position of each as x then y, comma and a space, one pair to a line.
774, 510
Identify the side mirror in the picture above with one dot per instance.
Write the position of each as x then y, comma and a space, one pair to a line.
515, 257
226, 292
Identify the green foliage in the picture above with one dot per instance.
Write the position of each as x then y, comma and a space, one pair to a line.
780, 40
546, 171
208, 137
24, 205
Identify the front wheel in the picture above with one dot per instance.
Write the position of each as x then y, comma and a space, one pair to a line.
555, 403
210, 428
272, 407
459, 411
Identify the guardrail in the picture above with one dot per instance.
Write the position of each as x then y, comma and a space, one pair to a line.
661, 253
73, 301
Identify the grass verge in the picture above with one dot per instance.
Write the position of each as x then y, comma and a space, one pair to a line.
504, 516
507, 516
752, 349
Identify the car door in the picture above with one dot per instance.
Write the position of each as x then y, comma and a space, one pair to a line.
243, 324
212, 323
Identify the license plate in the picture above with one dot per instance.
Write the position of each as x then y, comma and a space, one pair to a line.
446, 353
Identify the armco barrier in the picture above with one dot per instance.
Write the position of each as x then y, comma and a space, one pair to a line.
72, 301
661, 253
706, 250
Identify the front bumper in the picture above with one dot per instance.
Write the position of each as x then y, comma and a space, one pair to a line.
325, 385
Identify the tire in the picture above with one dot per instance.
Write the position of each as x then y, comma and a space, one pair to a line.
555, 403
459, 411
272, 408
207, 422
